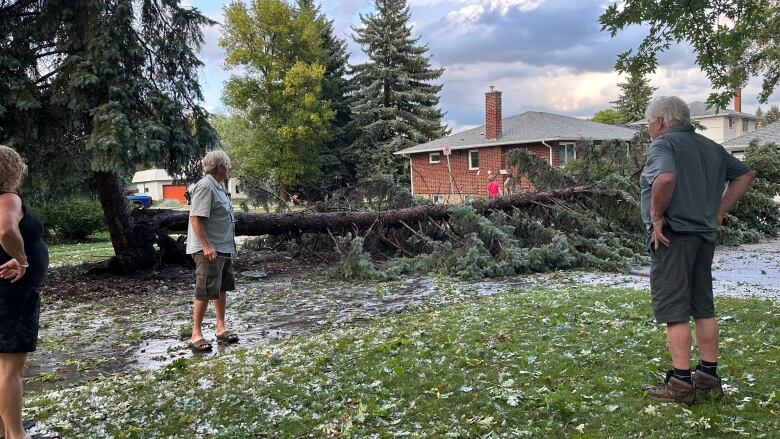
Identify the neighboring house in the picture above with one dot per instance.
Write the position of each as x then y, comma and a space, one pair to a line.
767, 134
463, 163
160, 186
722, 125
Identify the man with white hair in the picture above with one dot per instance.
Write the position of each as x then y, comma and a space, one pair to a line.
211, 242
683, 206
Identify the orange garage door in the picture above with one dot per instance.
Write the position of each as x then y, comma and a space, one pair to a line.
175, 192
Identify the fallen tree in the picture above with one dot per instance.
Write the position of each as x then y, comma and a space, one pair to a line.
585, 215
248, 224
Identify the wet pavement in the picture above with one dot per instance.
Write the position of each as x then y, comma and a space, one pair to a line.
113, 335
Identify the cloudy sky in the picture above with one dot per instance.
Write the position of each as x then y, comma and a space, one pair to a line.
544, 55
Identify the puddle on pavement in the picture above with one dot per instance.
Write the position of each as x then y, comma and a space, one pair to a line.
79, 342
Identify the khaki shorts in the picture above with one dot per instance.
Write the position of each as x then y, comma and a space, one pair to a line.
213, 277
681, 278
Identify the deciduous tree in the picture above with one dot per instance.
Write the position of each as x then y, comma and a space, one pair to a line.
733, 40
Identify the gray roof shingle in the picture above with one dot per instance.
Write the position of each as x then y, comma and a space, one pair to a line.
528, 127
767, 134
699, 109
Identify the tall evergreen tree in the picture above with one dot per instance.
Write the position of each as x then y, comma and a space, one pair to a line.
395, 101
760, 116
635, 95
338, 168
98, 88
772, 115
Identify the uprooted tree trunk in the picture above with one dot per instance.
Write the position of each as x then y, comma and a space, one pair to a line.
339, 222
133, 243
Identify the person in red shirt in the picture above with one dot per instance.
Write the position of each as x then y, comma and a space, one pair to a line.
493, 187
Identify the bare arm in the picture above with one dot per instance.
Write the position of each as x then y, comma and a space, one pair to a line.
197, 227
11, 238
735, 191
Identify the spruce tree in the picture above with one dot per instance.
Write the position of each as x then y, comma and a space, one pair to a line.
338, 168
635, 95
772, 115
92, 90
395, 101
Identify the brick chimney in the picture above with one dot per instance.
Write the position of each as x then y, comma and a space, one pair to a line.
493, 114
738, 101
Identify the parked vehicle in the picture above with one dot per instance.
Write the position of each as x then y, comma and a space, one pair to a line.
145, 201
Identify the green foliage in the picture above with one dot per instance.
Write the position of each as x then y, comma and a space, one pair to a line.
338, 167
395, 103
758, 211
356, 263
279, 96
635, 96
733, 40
103, 85
602, 230
73, 220
772, 115
608, 116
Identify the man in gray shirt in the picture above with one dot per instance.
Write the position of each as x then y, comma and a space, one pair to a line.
683, 206
211, 242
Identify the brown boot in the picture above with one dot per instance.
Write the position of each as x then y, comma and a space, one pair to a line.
673, 389
707, 385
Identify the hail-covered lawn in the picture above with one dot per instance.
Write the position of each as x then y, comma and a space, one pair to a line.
545, 363
96, 248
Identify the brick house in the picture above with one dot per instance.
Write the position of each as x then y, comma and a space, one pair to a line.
460, 165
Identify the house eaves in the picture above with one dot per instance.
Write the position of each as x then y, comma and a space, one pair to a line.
404, 152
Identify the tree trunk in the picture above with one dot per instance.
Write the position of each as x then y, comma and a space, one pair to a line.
133, 245
303, 222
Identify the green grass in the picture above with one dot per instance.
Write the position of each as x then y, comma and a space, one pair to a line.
525, 364
97, 247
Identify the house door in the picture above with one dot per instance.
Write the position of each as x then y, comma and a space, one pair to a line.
175, 192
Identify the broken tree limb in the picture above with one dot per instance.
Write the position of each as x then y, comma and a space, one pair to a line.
307, 222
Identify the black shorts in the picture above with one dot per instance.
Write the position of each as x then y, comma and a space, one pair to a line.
20, 310
681, 278
213, 277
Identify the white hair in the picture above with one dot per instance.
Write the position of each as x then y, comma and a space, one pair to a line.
673, 110
214, 160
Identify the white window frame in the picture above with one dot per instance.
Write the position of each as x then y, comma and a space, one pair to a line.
471, 167
430, 157
437, 199
745, 125
565, 145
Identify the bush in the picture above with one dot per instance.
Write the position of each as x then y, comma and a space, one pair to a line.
74, 220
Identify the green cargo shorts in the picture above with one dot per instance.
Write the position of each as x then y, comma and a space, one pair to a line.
681, 278
213, 277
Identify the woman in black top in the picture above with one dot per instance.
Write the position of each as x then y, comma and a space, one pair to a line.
24, 261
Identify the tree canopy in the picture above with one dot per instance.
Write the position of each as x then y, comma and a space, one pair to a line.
608, 116
635, 96
280, 91
395, 99
733, 40
93, 89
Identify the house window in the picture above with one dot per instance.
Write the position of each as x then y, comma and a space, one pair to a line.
744, 125
566, 153
731, 123
146, 190
238, 188
437, 199
473, 159
434, 157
